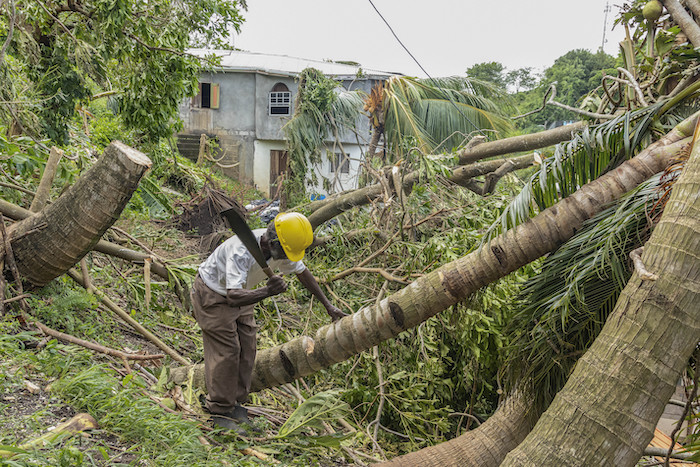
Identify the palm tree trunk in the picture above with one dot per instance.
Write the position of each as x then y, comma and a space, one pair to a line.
49, 243
529, 142
485, 446
607, 411
455, 281
15, 212
374, 142
686, 22
328, 209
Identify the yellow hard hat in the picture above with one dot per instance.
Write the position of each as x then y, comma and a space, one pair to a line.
294, 233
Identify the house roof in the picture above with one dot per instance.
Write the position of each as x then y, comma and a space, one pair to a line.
252, 62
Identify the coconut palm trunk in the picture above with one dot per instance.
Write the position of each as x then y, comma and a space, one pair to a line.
325, 210
513, 144
485, 446
455, 281
463, 175
15, 212
607, 411
49, 243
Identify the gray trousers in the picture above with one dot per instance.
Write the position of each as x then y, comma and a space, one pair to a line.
228, 334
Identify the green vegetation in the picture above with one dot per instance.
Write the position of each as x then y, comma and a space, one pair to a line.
61, 56
82, 74
574, 75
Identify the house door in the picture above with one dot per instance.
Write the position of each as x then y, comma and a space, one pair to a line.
279, 166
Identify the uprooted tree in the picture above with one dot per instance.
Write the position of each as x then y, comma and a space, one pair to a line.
424, 298
606, 413
451, 283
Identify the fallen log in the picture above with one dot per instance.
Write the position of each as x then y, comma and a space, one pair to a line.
14, 212
520, 143
49, 243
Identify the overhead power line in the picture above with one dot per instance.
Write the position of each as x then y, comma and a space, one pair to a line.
442, 91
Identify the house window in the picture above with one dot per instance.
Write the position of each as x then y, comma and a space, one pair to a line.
280, 100
340, 163
207, 97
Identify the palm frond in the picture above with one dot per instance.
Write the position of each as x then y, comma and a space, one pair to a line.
157, 202
319, 121
438, 114
565, 306
587, 156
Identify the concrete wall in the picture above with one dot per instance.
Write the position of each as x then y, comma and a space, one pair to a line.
269, 127
261, 170
233, 122
341, 182
337, 181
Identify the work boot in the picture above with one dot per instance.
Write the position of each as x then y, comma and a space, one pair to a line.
240, 414
226, 421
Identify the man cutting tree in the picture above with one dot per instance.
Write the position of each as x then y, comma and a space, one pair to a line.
224, 297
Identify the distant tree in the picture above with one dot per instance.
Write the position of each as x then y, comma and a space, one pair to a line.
521, 79
492, 72
574, 74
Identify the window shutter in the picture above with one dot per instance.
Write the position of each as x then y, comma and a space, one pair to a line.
196, 101
214, 96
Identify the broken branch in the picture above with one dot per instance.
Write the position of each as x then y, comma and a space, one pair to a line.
79, 423
42, 192
131, 321
93, 346
636, 256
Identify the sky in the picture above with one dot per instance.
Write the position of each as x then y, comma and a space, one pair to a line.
445, 36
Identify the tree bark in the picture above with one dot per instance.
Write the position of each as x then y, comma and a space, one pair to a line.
684, 21
485, 446
49, 243
455, 281
694, 6
374, 142
15, 212
538, 140
607, 411
502, 167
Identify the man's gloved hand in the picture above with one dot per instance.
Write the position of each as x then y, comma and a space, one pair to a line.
335, 313
276, 285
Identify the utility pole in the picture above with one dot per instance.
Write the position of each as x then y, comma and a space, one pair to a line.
605, 25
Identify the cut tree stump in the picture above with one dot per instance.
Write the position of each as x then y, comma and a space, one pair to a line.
49, 243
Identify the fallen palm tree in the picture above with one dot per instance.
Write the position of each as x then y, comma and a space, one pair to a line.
493, 170
453, 282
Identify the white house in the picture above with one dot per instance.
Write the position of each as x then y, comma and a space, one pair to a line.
246, 101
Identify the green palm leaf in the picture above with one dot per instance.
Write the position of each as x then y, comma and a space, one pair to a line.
322, 407
439, 114
587, 156
564, 307
157, 202
319, 121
